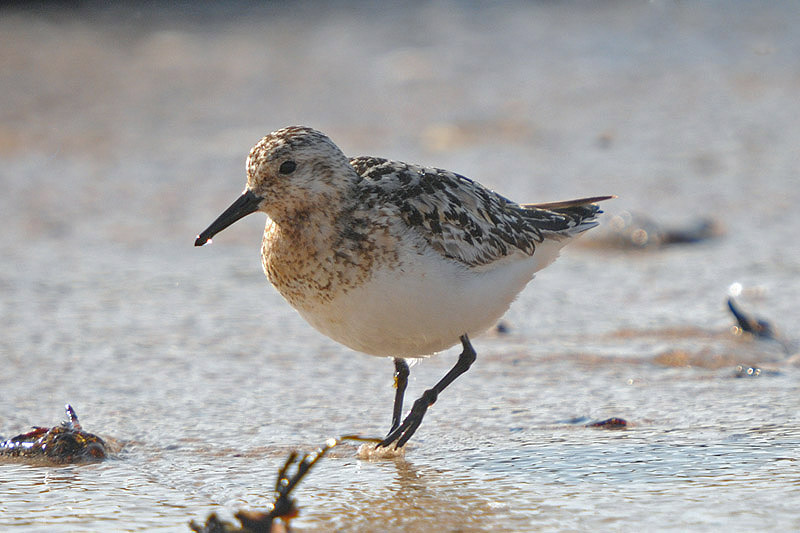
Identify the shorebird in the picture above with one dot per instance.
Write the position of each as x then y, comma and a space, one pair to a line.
393, 259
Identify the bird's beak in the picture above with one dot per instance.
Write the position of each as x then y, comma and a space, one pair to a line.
244, 205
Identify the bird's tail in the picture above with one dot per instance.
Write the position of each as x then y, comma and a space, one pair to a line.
570, 216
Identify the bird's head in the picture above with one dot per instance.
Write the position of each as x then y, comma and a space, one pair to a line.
290, 172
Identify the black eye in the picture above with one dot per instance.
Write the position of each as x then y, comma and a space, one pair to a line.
287, 167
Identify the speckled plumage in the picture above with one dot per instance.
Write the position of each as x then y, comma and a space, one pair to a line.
393, 259
459, 218
390, 258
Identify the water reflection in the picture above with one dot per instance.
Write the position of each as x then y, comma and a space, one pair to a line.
107, 170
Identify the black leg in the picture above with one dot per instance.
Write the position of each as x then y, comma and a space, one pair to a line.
400, 383
402, 433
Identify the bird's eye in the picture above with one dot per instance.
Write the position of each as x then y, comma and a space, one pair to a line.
287, 167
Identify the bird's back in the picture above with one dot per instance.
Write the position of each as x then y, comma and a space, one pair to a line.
463, 220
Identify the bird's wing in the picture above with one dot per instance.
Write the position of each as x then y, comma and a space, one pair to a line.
460, 218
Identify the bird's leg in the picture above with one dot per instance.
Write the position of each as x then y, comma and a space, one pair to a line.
400, 382
404, 431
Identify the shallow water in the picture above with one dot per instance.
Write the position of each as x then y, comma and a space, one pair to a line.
123, 133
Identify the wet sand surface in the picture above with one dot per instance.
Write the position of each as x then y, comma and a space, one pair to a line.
123, 133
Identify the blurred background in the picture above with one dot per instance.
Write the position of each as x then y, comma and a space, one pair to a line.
123, 133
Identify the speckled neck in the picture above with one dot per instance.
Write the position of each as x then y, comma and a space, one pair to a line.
318, 255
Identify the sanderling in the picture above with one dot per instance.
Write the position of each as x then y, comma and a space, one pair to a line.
393, 259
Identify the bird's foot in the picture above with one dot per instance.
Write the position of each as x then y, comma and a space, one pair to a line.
400, 435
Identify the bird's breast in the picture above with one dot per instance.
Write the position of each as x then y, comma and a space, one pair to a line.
312, 264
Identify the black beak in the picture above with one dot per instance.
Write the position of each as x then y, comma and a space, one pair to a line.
244, 205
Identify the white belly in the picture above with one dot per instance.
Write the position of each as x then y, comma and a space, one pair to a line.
427, 305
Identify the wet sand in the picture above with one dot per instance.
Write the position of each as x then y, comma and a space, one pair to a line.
123, 133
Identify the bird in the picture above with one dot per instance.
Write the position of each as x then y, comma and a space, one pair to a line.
393, 259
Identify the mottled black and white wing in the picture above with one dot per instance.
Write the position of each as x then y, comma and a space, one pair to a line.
460, 218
